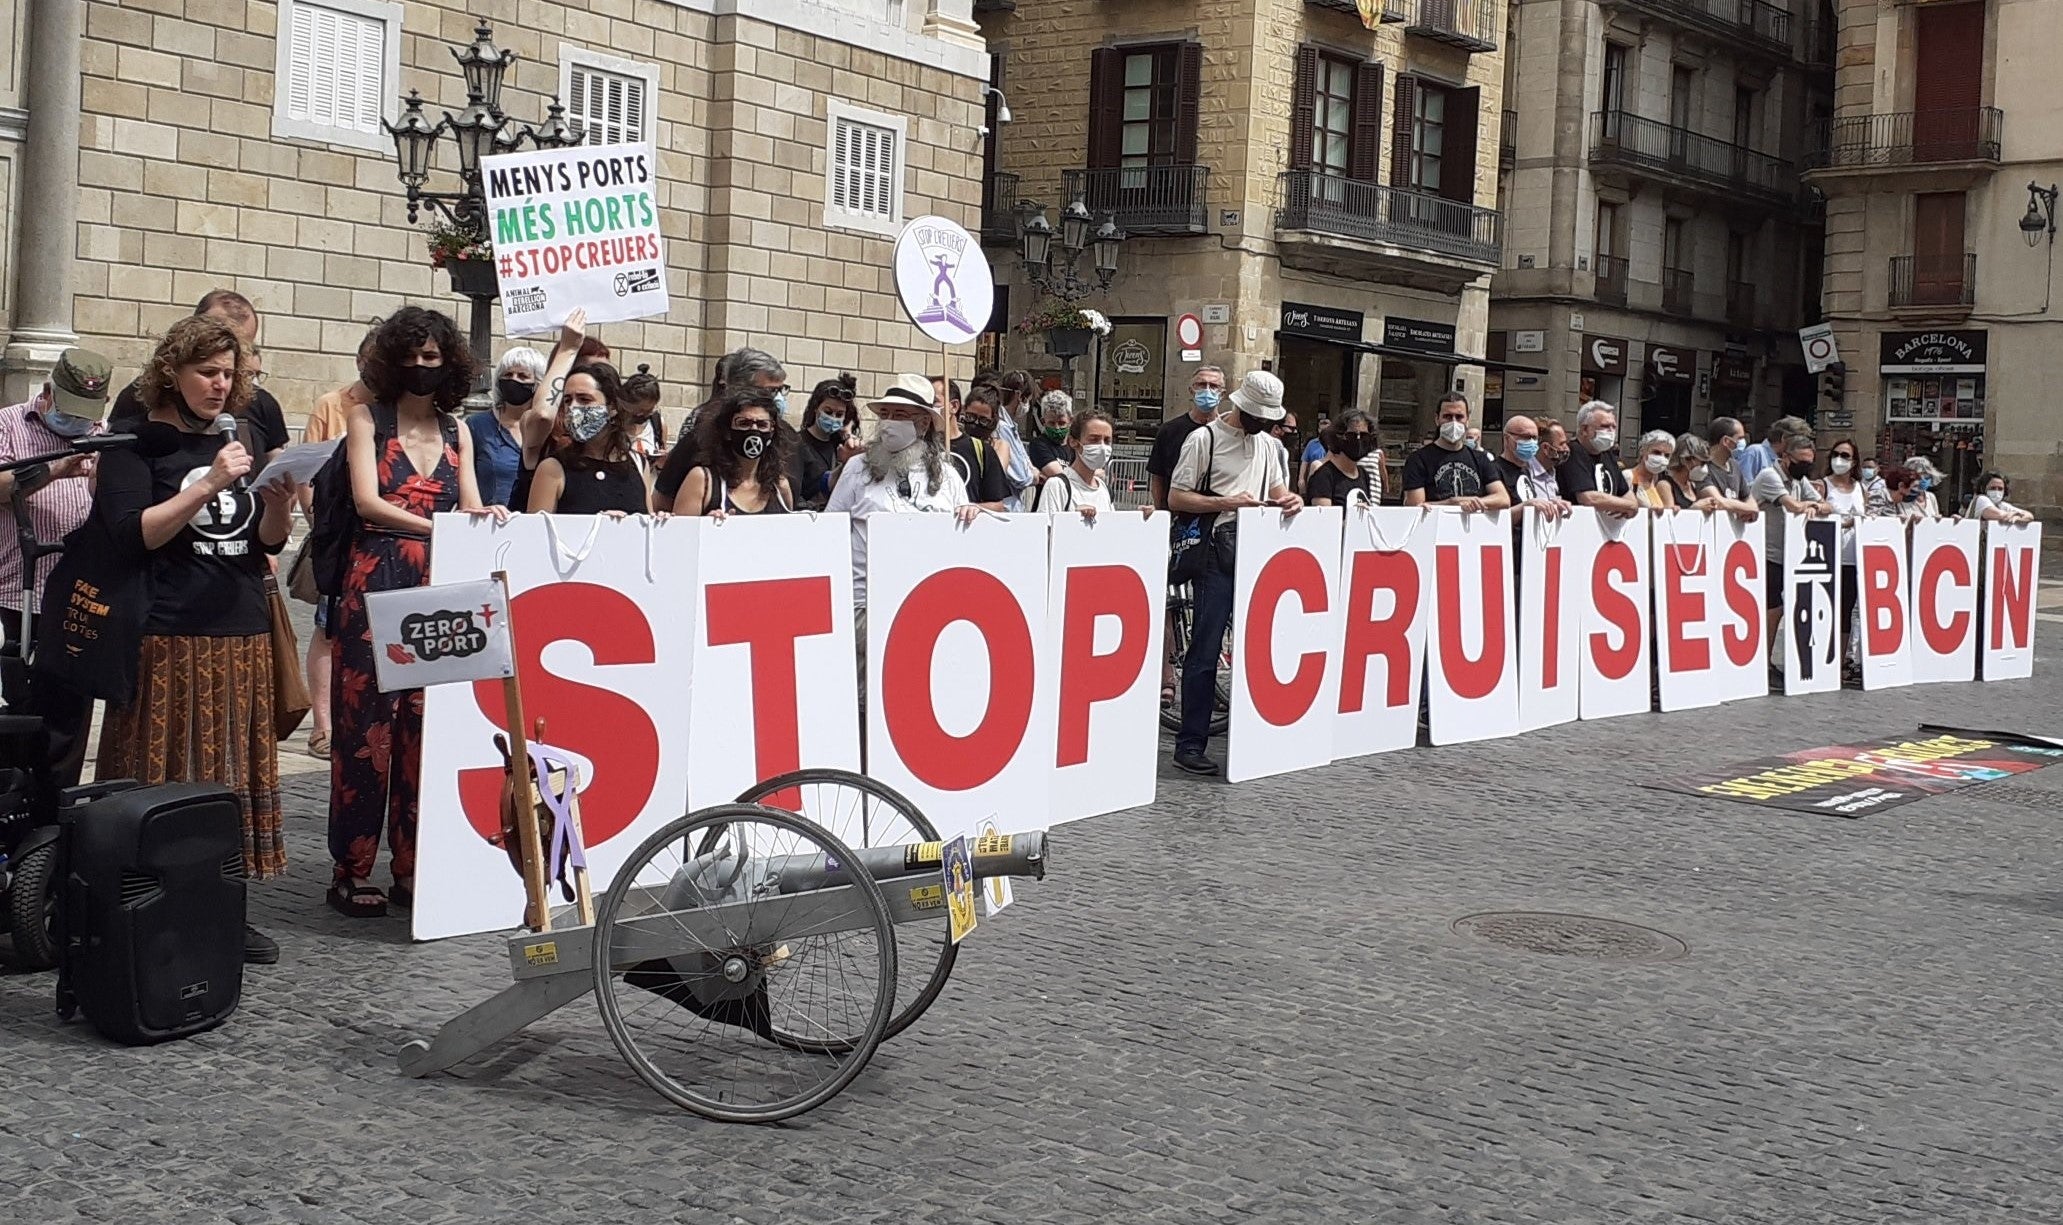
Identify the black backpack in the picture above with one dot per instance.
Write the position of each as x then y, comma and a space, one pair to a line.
335, 514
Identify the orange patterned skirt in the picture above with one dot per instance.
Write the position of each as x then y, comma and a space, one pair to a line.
203, 714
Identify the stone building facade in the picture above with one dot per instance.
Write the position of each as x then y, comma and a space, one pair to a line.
236, 143
1943, 303
1314, 187
1661, 254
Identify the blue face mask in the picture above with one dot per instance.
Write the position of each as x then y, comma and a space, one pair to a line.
780, 401
834, 426
1207, 398
1527, 450
64, 425
1926, 483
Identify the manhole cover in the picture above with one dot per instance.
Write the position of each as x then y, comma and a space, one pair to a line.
1572, 935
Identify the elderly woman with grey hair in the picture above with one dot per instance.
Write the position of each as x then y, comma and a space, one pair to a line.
497, 431
1931, 479
1648, 478
1048, 449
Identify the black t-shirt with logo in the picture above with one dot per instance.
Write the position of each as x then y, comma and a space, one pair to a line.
1584, 473
1461, 473
207, 581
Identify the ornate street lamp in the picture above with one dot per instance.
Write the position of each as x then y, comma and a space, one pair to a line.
1055, 271
477, 131
2041, 215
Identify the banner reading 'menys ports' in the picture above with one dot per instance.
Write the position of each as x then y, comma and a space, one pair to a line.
575, 228
1015, 664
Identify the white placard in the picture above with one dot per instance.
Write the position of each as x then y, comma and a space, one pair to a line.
1742, 631
1883, 609
1553, 597
1386, 600
2012, 554
960, 688
1812, 604
1472, 672
435, 635
1943, 560
1286, 625
576, 228
943, 280
1107, 628
1615, 652
1686, 627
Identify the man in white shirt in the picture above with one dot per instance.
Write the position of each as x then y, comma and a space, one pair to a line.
1227, 465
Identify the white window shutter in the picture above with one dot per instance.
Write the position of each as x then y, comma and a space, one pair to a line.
610, 105
863, 170
335, 68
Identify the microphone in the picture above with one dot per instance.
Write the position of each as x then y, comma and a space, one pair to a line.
225, 425
103, 442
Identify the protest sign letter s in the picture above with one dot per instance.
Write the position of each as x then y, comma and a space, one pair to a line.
1385, 592
1283, 611
960, 714
1107, 615
1743, 641
1615, 656
2013, 550
1880, 575
1944, 600
1472, 679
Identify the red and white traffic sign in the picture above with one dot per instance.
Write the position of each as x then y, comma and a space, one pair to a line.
1189, 332
1820, 350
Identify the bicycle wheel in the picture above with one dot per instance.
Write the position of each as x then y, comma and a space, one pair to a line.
865, 813
699, 955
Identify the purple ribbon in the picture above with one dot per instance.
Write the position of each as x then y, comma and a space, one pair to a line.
566, 850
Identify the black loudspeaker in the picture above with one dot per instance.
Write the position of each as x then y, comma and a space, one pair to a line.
151, 917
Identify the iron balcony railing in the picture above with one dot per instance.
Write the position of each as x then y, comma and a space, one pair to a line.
1328, 204
1145, 199
1611, 279
1907, 138
1922, 281
1676, 290
1470, 25
1740, 304
1648, 144
1758, 20
999, 208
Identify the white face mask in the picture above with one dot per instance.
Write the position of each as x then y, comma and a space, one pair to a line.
1604, 440
1996, 495
1453, 431
1656, 463
1838, 465
1096, 455
895, 435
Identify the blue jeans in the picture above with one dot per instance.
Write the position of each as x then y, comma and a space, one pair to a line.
1210, 613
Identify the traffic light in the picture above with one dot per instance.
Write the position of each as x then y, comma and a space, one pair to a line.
1833, 385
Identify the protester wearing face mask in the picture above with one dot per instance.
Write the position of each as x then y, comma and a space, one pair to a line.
830, 435
641, 395
1720, 479
595, 474
1789, 489
1450, 472
1206, 392
739, 368
1019, 476
1344, 476
409, 461
1930, 479
1049, 451
1591, 475
971, 436
748, 445
1843, 492
1315, 453
1647, 479
497, 442
1082, 485
1990, 503
1223, 468
1525, 470
56, 497
1903, 486
1876, 495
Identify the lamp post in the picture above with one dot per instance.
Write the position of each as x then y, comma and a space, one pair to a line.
477, 131
1054, 268
2040, 218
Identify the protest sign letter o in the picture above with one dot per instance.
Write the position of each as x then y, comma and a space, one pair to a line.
938, 758
1087, 678
1280, 702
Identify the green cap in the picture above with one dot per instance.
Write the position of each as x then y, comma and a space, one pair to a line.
79, 383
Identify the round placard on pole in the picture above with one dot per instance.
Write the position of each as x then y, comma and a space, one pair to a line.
943, 280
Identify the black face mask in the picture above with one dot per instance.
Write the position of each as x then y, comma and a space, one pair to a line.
511, 391
1353, 446
421, 380
1799, 469
750, 444
977, 427
1252, 424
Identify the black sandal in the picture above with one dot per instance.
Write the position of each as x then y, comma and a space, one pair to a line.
357, 901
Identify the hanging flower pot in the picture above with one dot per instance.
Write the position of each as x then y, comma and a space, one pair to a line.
1067, 342
473, 278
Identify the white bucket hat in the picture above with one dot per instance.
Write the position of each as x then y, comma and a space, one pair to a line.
1259, 395
910, 391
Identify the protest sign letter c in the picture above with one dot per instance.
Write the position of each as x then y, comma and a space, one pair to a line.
1275, 700
1946, 637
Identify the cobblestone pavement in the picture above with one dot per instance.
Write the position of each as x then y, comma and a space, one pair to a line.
1242, 1004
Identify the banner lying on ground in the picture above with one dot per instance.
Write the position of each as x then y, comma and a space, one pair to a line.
1850, 780
575, 227
1014, 666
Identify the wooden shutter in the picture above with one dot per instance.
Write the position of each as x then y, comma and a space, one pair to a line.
1106, 107
1303, 110
1400, 130
1188, 101
1938, 247
1948, 81
1458, 148
1365, 148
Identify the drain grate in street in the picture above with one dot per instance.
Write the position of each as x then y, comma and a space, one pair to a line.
1572, 935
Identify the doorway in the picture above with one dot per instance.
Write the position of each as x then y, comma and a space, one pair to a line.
1318, 380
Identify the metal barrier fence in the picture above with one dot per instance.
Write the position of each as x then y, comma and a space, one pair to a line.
1128, 484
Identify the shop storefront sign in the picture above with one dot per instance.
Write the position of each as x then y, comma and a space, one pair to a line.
1134, 368
1417, 335
1933, 376
1321, 322
1667, 364
1604, 355
1733, 371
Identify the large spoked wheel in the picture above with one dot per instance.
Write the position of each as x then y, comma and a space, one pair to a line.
700, 959
864, 814
1179, 617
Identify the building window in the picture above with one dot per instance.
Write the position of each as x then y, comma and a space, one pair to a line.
1613, 99
1143, 108
1332, 117
1683, 89
1428, 136
611, 98
1149, 108
864, 154
337, 67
